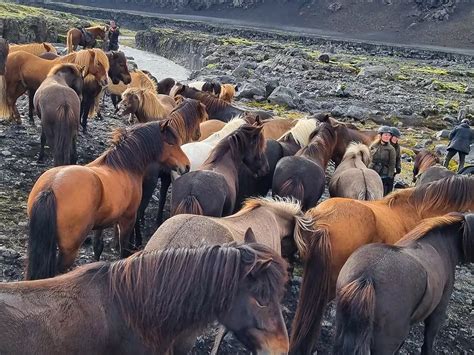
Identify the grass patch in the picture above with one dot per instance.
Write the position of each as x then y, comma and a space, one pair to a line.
451, 105
430, 70
211, 66
236, 41
449, 86
15, 11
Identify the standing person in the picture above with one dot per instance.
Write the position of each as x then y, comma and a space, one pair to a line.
394, 141
113, 36
383, 158
460, 140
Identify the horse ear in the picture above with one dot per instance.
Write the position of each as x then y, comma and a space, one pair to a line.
249, 236
92, 53
82, 69
164, 125
258, 121
259, 266
179, 99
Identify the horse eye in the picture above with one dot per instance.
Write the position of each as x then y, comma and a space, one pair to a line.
259, 305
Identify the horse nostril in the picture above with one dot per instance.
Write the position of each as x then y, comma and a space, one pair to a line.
188, 168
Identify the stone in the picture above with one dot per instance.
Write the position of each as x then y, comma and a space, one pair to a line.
324, 58
250, 90
423, 143
6, 153
284, 96
469, 90
271, 85
376, 71
357, 112
242, 72
443, 134
335, 6
441, 149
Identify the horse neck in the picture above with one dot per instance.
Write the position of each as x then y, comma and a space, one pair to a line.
224, 132
316, 154
178, 122
227, 164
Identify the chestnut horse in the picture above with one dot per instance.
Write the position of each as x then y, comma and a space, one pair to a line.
75, 37
67, 202
343, 225
427, 168
58, 106
212, 189
25, 71
34, 48
303, 176
140, 306
383, 289
4, 49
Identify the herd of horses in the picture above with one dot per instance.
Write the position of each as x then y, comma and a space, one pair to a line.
224, 254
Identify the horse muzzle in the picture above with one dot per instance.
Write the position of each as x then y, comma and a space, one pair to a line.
104, 82
181, 170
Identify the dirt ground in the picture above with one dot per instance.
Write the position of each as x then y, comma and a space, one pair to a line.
19, 147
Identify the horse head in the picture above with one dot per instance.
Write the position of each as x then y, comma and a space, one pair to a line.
173, 157
118, 68
252, 148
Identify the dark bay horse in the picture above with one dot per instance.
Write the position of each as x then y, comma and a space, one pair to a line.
427, 168
78, 37
164, 86
382, 289
212, 189
303, 176
140, 305
342, 225
67, 202
216, 108
58, 106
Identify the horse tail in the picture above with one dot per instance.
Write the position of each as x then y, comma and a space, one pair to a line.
355, 317
42, 241
65, 120
189, 205
292, 188
314, 294
69, 43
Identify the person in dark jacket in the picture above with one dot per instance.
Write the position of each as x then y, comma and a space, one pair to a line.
383, 158
394, 141
113, 36
460, 140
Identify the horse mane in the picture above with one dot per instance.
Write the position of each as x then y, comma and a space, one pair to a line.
62, 66
230, 127
321, 143
159, 304
83, 58
358, 149
97, 28
456, 191
143, 81
234, 142
148, 101
212, 103
186, 116
133, 148
300, 132
424, 159
227, 92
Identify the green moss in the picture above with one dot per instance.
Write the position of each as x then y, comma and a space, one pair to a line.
313, 54
408, 152
211, 66
400, 77
236, 41
346, 66
452, 105
431, 70
14, 11
61, 38
449, 86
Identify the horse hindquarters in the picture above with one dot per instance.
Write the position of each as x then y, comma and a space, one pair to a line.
66, 124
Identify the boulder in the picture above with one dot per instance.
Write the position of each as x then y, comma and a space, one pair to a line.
242, 72
251, 90
357, 112
324, 58
376, 71
284, 96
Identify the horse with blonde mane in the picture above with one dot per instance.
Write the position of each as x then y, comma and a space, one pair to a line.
135, 306
25, 71
34, 48
78, 37
67, 202
343, 225
139, 79
383, 289
227, 92
352, 178
427, 168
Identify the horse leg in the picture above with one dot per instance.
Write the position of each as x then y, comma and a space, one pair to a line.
138, 234
98, 244
74, 151
126, 225
43, 143
85, 107
433, 323
31, 106
165, 184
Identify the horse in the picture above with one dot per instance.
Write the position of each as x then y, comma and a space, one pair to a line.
34, 48
67, 202
342, 225
164, 86
303, 176
139, 305
467, 170
383, 289
227, 92
146, 105
211, 87
139, 79
25, 71
209, 127
298, 136
4, 50
78, 37
218, 176
276, 223
352, 178
427, 168
58, 106
216, 108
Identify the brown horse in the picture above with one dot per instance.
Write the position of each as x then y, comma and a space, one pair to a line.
352, 178
140, 306
382, 289
164, 86
279, 224
79, 37
343, 225
67, 202
218, 176
227, 92
303, 176
34, 48
25, 71
427, 168
58, 106
139, 79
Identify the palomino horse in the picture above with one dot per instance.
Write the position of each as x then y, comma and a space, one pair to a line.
67, 202
139, 79
216, 108
352, 178
58, 106
140, 306
427, 168
25, 71
212, 189
78, 37
382, 290
303, 176
278, 224
343, 225
34, 48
